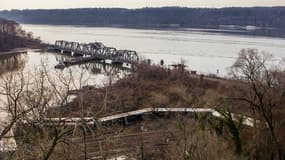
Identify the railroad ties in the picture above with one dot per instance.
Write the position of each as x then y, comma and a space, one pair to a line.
96, 51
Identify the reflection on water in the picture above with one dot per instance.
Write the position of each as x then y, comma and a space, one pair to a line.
32, 64
93, 73
103, 68
12, 62
95, 67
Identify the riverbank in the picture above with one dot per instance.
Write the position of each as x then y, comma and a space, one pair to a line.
150, 86
16, 51
155, 86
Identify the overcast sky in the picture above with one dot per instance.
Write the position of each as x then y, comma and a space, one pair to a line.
43, 4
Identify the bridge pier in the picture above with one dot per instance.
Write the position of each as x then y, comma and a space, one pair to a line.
132, 119
126, 122
67, 52
117, 63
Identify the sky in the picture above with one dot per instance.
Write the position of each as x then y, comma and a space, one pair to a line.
52, 4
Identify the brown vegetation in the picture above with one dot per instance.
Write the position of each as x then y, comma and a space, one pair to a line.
149, 86
13, 36
255, 91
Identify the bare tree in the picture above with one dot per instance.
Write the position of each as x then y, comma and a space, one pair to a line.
12, 89
27, 98
262, 91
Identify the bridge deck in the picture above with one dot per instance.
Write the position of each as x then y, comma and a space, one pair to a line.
92, 121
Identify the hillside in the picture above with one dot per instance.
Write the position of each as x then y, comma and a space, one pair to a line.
13, 36
153, 17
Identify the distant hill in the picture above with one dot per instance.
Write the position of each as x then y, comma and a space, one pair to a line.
13, 36
153, 17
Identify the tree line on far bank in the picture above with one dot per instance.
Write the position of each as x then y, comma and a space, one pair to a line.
154, 17
13, 36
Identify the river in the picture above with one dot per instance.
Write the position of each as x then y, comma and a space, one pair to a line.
201, 50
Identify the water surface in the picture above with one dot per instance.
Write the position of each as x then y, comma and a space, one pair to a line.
202, 51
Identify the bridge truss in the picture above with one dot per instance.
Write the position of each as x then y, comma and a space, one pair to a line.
98, 50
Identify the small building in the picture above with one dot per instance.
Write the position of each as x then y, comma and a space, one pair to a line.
179, 67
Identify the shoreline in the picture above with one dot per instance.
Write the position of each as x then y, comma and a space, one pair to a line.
202, 29
16, 51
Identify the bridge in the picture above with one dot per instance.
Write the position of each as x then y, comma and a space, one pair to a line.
94, 51
127, 117
9, 144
